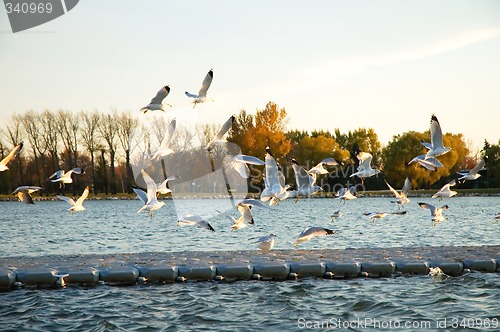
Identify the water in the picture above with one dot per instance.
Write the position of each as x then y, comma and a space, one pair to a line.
114, 227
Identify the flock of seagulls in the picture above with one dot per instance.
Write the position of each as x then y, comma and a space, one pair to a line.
275, 188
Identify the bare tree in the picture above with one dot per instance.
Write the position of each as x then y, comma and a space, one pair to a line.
14, 136
108, 130
90, 124
126, 127
30, 121
69, 128
50, 137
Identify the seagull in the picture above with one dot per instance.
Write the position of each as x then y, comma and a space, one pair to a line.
201, 97
78, 205
310, 232
365, 170
239, 163
24, 193
445, 191
345, 194
436, 147
156, 102
380, 215
218, 139
164, 149
320, 169
162, 188
336, 214
430, 163
497, 216
5, 161
246, 216
473, 174
64, 177
195, 220
266, 243
149, 197
436, 214
305, 181
402, 197
274, 181
253, 202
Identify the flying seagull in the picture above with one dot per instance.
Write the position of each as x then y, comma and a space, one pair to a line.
5, 161
306, 183
473, 174
310, 232
401, 197
165, 149
365, 169
380, 215
346, 194
156, 102
64, 177
195, 220
78, 205
430, 163
320, 167
24, 193
201, 97
148, 197
246, 216
436, 147
218, 139
436, 214
275, 189
239, 164
445, 191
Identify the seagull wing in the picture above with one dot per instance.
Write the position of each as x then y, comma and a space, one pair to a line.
436, 133
206, 84
478, 167
25, 197
225, 128
85, 194
151, 186
70, 201
241, 158
394, 191
330, 162
76, 170
301, 175
160, 95
143, 196
406, 186
169, 134
365, 159
427, 145
432, 208
58, 174
11, 155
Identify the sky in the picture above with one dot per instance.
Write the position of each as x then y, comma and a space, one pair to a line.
386, 65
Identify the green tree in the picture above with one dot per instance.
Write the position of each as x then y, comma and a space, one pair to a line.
492, 151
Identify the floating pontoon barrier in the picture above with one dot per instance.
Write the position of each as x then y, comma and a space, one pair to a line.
119, 275
421, 268
28, 274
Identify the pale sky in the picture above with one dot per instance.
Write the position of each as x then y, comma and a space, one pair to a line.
388, 65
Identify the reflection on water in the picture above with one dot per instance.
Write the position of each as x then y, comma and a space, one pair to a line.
113, 226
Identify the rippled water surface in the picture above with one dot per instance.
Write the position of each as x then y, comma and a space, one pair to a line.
114, 227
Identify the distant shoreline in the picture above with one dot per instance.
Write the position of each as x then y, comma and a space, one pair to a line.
491, 192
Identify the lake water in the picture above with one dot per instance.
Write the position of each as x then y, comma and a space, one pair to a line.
113, 226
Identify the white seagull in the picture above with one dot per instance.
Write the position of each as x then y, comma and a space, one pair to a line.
201, 97
445, 191
345, 194
78, 205
436, 147
310, 232
149, 197
380, 215
365, 169
305, 182
64, 177
320, 167
430, 163
246, 216
218, 139
195, 220
60, 281
402, 197
162, 188
473, 174
274, 181
5, 161
165, 149
266, 243
239, 164
156, 102
24, 193
436, 214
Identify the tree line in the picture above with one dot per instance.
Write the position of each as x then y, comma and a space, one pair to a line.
102, 144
